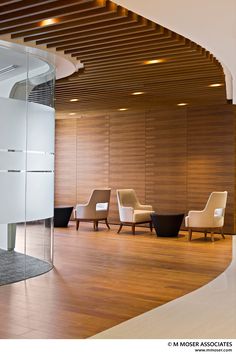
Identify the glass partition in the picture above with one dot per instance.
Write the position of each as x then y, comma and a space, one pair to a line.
26, 164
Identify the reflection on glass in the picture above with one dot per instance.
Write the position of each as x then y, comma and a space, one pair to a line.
26, 164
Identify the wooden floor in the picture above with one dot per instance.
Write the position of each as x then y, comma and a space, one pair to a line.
101, 279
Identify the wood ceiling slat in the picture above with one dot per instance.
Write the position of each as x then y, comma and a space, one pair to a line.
98, 95
9, 8
175, 88
199, 83
120, 48
89, 19
191, 55
61, 13
205, 81
136, 68
7, 2
160, 52
142, 34
113, 44
148, 54
110, 70
175, 92
172, 74
86, 27
29, 8
126, 32
108, 32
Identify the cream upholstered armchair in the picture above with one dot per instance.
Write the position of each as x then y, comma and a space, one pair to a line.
131, 211
95, 210
211, 217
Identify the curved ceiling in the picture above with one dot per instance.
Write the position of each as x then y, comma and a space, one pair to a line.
211, 23
114, 44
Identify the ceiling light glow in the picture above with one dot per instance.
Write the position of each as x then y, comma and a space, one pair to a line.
123, 109
182, 104
49, 21
72, 114
215, 85
74, 100
154, 61
138, 93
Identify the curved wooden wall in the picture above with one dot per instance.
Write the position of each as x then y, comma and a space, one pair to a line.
173, 158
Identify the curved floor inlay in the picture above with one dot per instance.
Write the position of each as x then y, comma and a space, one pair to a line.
17, 266
208, 312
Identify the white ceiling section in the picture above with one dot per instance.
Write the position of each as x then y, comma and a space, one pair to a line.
211, 23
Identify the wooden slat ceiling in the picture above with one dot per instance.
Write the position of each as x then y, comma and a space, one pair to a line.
113, 44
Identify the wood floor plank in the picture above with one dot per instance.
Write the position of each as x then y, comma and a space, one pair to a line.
101, 279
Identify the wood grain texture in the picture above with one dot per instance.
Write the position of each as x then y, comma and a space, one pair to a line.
127, 156
166, 154
173, 158
92, 155
114, 43
211, 159
101, 279
65, 162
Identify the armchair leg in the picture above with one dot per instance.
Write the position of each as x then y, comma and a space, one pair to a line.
106, 222
222, 233
212, 236
121, 225
189, 234
205, 233
95, 225
150, 224
77, 224
133, 229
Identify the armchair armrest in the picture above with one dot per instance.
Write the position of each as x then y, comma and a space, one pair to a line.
199, 219
126, 214
144, 207
81, 210
195, 213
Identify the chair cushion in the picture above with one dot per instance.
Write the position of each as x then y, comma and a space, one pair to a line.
141, 216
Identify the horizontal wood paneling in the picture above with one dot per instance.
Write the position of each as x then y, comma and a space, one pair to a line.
92, 155
166, 153
127, 155
65, 162
173, 158
211, 160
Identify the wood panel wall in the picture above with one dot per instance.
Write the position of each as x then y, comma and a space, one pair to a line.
166, 152
65, 162
173, 158
127, 155
92, 155
211, 159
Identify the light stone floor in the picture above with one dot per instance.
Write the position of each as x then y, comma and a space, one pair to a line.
208, 312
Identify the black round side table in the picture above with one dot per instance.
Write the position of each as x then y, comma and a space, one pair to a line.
167, 225
62, 215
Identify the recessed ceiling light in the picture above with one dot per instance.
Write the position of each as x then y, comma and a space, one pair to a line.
49, 21
122, 109
74, 100
138, 93
182, 104
215, 85
72, 114
154, 61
